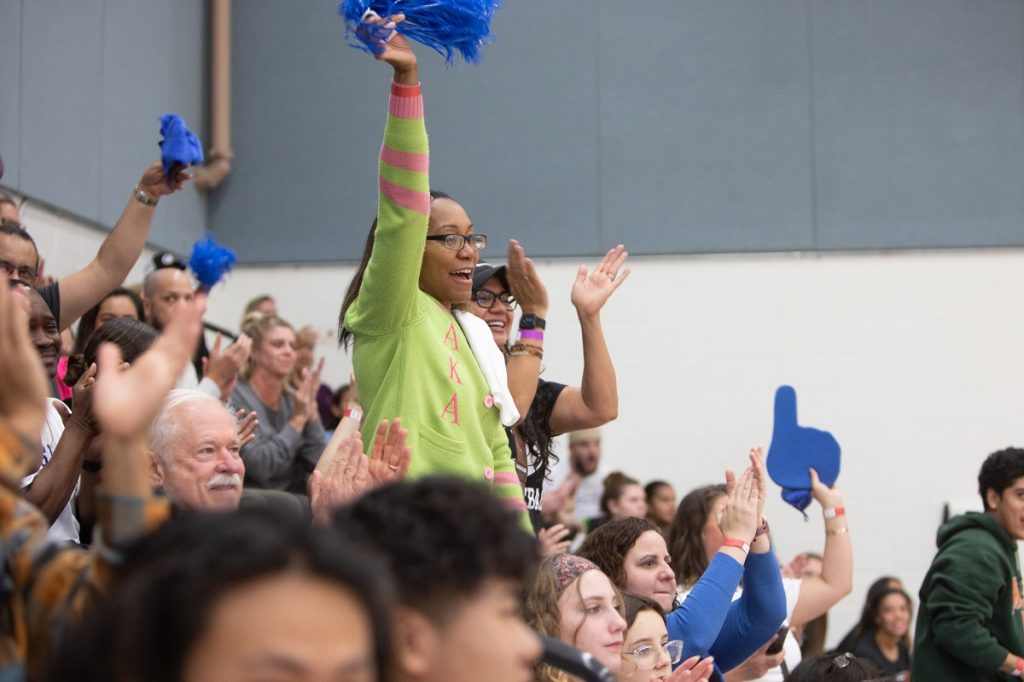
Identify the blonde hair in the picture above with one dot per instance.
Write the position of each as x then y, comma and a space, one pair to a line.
256, 326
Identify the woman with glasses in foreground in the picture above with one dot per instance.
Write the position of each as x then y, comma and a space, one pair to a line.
413, 357
548, 408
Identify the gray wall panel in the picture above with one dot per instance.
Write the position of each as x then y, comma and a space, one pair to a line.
919, 125
705, 141
153, 62
514, 140
62, 46
10, 86
673, 126
306, 132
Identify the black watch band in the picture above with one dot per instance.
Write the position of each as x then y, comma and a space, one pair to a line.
532, 321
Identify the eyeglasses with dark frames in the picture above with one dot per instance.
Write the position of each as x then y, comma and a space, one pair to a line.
485, 298
456, 241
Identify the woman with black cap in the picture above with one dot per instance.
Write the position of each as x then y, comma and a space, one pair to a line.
552, 408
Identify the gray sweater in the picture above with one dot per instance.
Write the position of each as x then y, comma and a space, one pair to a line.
280, 458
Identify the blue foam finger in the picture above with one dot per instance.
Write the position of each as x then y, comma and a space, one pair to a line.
795, 449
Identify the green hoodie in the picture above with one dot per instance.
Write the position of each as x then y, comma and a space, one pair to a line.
970, 615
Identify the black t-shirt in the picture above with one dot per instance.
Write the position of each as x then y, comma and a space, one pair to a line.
867, 647
538, 419
51, 295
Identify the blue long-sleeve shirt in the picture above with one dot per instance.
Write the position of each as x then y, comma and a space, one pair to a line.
710, 623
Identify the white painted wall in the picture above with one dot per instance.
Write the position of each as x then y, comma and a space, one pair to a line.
913, 361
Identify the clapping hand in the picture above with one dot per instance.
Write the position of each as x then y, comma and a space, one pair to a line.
524, 283
389, 460
345, 478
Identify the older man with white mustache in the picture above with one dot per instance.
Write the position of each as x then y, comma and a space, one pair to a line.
194, 447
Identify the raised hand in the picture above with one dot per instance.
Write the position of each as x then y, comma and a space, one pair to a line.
828, 498
694, 669
740, 518
760, 478
304, 405
396, 50
523, 281
127, 402
82, 399
389, 460
554, 540
247, 425
591, 291
223, 366
156, 184
23, 384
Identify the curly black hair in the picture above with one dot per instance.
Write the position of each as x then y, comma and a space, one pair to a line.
999, 472
442, 538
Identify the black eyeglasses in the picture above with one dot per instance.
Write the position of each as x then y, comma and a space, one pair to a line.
24, 273
485, 298
457, 241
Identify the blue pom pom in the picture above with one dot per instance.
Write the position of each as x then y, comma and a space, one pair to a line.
180, 146
446, 26
210, 262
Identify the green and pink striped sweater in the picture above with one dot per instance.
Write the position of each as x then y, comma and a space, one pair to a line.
410, 356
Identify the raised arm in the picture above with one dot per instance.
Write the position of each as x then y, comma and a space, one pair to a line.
819, 593
50, 488
120, 250
391, 279
596, 400
526, 286
699, 619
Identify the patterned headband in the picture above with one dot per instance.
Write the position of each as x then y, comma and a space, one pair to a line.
568, 567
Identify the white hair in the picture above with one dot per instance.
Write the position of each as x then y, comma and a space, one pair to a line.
164, 431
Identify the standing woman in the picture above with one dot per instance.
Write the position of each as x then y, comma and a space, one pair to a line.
412, 357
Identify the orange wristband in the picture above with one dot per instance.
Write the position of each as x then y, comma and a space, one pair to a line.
736, 542
834, 513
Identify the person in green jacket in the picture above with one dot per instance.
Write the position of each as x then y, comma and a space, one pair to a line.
970, 625
413, 356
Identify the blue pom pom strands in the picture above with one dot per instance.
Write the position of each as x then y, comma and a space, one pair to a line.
210, 262
446, 26
180, 147
795, 449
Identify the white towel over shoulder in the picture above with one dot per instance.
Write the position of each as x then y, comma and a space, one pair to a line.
491, 361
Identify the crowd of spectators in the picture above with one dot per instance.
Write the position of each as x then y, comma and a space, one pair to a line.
176, 511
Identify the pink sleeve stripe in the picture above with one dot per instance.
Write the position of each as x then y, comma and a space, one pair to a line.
405, 107
410, 161
506, 478
518, 504
405, 197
